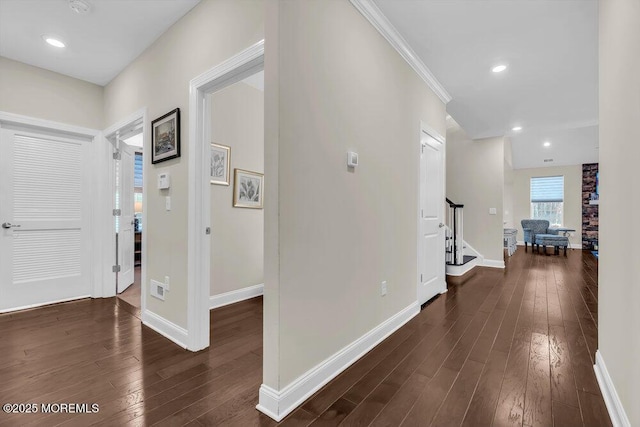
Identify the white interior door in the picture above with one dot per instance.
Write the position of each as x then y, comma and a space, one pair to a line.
431, 247
126, 233
44, 211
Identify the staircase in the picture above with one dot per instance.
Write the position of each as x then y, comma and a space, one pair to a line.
457, 262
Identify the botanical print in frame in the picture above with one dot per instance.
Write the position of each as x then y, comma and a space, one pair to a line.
165, 137
219, 164
248, 189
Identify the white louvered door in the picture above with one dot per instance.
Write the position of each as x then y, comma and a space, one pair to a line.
44, 212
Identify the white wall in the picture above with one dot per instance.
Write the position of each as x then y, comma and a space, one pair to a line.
475, 178
333, 84
210, 33
508, 205
237, 234
619, 270
40, 93
572, 197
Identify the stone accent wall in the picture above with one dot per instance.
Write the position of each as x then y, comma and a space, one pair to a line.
589, 210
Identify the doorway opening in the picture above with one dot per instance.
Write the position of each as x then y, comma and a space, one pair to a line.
236, 175
128, 201
238, 68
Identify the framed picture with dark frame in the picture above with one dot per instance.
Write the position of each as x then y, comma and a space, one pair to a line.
248, 189
165, 137
219, 164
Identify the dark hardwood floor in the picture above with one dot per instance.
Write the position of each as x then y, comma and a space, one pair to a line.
502, 347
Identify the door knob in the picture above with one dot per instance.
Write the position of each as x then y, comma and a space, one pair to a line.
441, 225
8, 225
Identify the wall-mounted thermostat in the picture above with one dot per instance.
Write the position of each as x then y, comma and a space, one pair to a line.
164, 181
352, 159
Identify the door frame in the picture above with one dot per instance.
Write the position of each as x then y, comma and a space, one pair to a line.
426, 129
33, 124
109, 282
234, 69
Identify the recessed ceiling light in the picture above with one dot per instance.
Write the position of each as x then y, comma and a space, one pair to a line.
547, 144
499, 68
516, 128
53, 41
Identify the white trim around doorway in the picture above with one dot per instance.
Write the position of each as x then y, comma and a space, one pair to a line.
109, 281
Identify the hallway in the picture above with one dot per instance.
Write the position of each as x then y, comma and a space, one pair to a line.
503, 347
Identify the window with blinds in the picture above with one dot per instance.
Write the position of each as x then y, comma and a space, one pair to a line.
137, 174
547, 199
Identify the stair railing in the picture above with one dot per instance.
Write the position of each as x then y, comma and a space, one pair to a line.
454, 236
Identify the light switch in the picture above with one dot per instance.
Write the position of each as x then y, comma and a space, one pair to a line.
492, 211
167, 203
352, 159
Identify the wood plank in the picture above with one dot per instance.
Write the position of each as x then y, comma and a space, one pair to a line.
335, 413
510, 406
402, 402
429, 401
594, 411
566, 415
483, 403
537, 405
563, 386
581, 361
455, 405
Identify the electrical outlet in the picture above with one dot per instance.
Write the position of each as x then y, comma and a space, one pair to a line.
157, 289
383, 288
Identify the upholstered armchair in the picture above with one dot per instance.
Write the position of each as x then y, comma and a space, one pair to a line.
533, 227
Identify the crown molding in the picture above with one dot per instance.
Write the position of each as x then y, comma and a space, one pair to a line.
375, 16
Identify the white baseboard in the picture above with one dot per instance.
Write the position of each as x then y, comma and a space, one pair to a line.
461, 270
165, 328
42, 304
278, 404
493, 263
612, 401
238, 295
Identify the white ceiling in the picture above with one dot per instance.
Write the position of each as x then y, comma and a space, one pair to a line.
550, 47
100, 43
550, 87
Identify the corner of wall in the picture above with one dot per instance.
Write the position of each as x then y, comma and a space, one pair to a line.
277, 404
